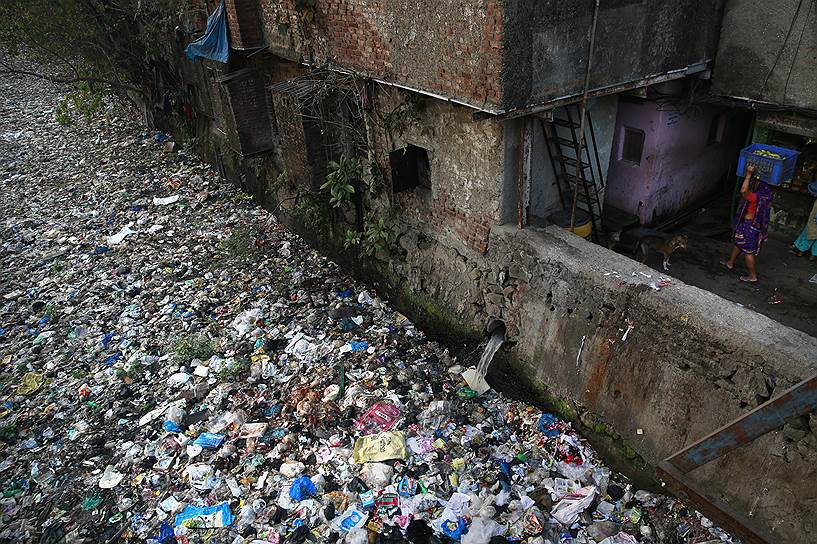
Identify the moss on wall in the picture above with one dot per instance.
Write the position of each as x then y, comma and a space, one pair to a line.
442, 324
516, 379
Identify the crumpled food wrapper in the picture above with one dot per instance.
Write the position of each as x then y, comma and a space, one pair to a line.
380, 447
31, 382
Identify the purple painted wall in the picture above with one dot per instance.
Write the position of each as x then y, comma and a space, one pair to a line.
679, 166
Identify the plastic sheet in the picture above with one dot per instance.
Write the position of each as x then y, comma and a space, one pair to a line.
213, 44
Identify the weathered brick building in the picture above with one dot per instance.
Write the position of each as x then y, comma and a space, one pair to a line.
463, 115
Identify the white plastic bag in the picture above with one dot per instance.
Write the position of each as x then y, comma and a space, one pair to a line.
121, 235
621, 538
482, 530
567, 510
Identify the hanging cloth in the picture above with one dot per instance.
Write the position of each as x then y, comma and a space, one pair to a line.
213, 43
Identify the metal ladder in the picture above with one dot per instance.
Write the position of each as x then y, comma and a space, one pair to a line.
562, 135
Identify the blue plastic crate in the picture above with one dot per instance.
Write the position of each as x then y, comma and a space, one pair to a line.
772, 171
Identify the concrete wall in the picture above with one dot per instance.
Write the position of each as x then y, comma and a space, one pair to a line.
678, 166
691, 362
545, 43
767, 51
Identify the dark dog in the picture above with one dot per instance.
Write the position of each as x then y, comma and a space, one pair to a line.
661, 245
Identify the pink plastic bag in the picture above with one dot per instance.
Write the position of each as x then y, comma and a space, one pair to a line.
380, 417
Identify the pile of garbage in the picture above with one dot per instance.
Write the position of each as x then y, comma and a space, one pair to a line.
177, 367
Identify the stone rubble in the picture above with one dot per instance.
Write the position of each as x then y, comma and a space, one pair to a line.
176, 366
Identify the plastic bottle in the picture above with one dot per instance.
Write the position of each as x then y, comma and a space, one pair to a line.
245, 518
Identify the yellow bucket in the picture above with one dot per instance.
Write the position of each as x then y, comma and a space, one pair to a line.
582, 226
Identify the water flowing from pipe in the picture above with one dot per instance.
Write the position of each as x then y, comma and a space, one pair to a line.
496, 340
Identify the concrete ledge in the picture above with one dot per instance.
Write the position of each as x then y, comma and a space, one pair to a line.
691, 362
792, 353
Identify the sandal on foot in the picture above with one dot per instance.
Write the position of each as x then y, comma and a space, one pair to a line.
747, 279
726, 265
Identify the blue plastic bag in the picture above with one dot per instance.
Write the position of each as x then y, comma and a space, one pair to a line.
111, 360
166, 534
206, 517
213, 44
346, 293
407, 487
171, 427
455, 529
106, 339
302, 488
547, 424
351, 519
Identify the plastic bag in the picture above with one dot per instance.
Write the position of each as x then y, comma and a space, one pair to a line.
548, 424
110, 478
482, 530
201, 476
302, 488
213, 44
31, 382
121, 235
377, 475
380, 417
380, 447
206, 517
209, 441
567, 510
357, 536
350, 520
621, 538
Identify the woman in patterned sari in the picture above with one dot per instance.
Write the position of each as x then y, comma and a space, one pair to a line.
751, 225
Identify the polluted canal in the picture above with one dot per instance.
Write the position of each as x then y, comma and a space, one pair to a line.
177, 367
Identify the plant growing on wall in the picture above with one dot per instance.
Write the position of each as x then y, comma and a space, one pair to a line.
351, 238
341, 180
377, 236
311, 209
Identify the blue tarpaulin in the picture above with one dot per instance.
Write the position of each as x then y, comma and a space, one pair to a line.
213, 44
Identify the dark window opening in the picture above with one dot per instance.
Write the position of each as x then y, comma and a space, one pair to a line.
633, 146
716, 125
409, 169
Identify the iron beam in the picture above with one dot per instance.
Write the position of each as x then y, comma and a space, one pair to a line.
798, 400
715, 509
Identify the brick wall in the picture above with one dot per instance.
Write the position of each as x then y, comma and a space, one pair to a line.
289, 124
249, 112
441, 214
449, 47
246, 30
465, 170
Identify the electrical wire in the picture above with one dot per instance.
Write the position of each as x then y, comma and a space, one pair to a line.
782, 47
797, 51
